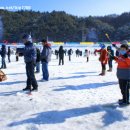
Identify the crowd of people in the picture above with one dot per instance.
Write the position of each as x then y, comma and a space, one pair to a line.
33, 57
122, 58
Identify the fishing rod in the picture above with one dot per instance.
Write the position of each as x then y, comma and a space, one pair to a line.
111, 41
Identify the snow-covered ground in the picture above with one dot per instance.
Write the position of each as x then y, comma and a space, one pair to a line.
75, 98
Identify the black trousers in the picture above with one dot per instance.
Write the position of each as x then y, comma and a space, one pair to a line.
69, 57
124, 87
31, 80
87, 59
61, 59
103, 66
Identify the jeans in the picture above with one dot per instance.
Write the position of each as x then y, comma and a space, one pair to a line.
45, 71
31, 80
3, 63
38, 67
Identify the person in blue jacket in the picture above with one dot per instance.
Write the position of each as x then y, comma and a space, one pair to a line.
30, 61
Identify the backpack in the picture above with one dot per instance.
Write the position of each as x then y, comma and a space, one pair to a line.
2, 76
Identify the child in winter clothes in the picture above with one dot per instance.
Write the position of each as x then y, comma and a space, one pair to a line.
123, 73
103, 58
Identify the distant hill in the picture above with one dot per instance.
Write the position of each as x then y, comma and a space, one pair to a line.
60, 26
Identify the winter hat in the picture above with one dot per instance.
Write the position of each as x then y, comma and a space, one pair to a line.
109, 47
27, 37
124, 46
102, 45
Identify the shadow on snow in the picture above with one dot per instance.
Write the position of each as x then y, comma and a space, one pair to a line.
110, 116
85, 86
15, 73
9, 93
12, 83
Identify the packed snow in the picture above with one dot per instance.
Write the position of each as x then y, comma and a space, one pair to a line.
75, 98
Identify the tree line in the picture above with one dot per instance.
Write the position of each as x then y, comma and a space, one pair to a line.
63, 27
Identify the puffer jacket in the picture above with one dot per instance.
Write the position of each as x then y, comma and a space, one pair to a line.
46, 53
103, 56
29, 53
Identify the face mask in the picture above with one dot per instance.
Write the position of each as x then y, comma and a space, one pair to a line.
122, 52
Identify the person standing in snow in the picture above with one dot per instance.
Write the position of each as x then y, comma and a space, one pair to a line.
9, 54
3, 56
30, 61
103, 58
45, 59
38, 59
87, 54
123, 73
61, 55
110, 58
70, 52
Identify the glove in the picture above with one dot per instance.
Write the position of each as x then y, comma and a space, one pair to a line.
103, 62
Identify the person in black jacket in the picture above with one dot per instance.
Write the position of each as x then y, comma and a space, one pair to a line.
70, 52
61, 55
38, 59
110, 58
30, 61
3, 56
9, 53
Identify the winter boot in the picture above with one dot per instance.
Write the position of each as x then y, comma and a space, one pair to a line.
110, 70
103, 72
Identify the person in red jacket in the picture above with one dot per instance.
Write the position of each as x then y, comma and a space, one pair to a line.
103, 58
123, 73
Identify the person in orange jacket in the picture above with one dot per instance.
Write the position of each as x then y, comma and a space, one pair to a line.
103, 58
123, 73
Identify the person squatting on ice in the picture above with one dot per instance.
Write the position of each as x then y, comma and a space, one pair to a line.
45, 59
30, 61
123, 73
103, 58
